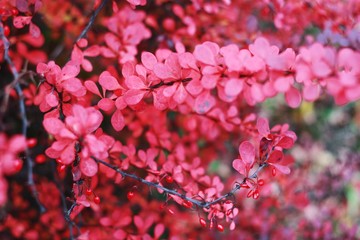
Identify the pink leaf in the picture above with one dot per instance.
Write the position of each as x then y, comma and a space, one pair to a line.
203, 103
148, 60
88, 167
180, 94
293, 97
34, 30
53, 125
204, 54
239, 166
51, 99
17, 144
282, 84
106, 104
92, 87
117, 120
311, 92
134, 82
320, 68
75, 87
247, 152
70, 70
108, 82
68, 154
20, 22
233, 87
159, 230
139, 223
119, 234
281, 168
162, 71
263, 126
133, 96
92, 51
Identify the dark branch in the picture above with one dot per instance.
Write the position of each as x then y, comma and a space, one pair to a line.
201, 204
92, 20
15, 73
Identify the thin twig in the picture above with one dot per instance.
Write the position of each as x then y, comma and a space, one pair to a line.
29, 161
202, 204
66, 211
91, 21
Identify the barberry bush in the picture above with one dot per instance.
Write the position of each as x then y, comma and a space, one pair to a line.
155, 119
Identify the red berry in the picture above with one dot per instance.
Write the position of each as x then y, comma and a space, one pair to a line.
261, 182
256, 194
169, 179
31, 142
202, 222
171, 211
220, 228
228, 212
130, 195
6, 31
244, 185
14, 12
273, 171
18, 165
187, 204
61, 168
88, 191
250, 193
41, 158
96, 200
211, 224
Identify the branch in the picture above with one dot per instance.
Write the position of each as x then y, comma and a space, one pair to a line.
15, 73
66, 211
201, 204
92, 20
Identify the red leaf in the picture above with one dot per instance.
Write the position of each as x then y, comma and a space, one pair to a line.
117, 120
275, 157
247, 152
286, 142
22, 5
88, 167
